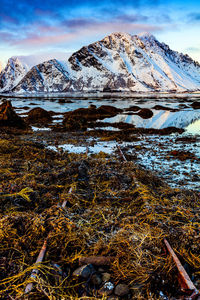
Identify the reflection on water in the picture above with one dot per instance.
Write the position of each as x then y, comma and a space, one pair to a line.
161, 119
182, 118
193, 128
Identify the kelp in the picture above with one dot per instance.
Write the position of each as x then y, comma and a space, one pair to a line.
106, 214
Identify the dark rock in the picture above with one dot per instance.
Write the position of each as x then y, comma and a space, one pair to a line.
196, 104
38, 115
145, 113
106, 289
8, 116
96, 279
79, 118
133, 108
121, 290
108, 111
84, 271
160, 107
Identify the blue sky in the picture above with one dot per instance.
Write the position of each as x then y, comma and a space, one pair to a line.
41, 26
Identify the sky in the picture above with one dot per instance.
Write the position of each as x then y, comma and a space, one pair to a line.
58, 27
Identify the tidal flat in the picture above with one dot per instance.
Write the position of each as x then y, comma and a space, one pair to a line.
113, 209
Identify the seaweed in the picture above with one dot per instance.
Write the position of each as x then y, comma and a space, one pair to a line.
115, 209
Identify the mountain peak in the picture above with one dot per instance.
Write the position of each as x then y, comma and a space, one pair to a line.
119, 62
146, 36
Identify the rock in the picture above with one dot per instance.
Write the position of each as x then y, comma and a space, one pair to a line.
133, 108
38, 115
96, 279
121, 290
107, 111
145, 113
106, 289
79, 118
106, 277
8, 116
196, 104
160, 107
84, 271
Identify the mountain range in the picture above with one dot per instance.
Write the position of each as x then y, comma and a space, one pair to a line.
119, 62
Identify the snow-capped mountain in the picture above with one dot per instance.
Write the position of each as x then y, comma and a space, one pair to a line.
18, 66
119, 62
14, 71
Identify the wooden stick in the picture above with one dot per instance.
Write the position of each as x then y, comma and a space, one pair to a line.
65, 201
121, 153
185, 281
96, 260
34, 272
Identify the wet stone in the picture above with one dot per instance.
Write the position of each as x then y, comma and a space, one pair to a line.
84, 271
106, 289
121, 290
106, 277
145, 113
96, 279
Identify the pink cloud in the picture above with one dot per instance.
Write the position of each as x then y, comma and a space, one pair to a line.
56, 35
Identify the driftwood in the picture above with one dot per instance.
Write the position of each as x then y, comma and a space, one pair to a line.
96, 260
185, 282
65, 201
40, 257
125, 160
121, 153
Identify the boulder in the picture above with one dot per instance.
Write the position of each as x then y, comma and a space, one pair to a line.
38, 115
8, 116
133, 108
121, 290
145, 113
84, 271
79, 118
196, 104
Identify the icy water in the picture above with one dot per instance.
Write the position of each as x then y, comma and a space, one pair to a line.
153, 152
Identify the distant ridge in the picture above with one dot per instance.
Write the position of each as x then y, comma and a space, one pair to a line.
119, 62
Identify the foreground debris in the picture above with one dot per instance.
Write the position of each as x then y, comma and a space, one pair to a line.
107, 215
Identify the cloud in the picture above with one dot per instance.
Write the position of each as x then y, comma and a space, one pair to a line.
193, 49
93, 30
194, 17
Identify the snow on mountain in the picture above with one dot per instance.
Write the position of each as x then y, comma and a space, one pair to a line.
119, 62
18, 66
14, 71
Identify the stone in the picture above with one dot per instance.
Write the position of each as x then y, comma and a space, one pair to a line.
96, 279
133, 108
106, 277
38, 115
84, 271
8, 116
121, 290
145, 113
196, 104
106, 289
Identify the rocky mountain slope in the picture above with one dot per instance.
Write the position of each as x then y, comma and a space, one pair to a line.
119, 62
14, 71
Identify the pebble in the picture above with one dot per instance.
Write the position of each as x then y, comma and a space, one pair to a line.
106, 277
121, 289
96, 279
84, 271
106, 289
